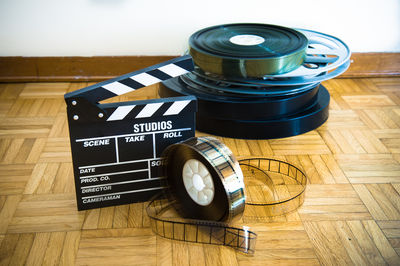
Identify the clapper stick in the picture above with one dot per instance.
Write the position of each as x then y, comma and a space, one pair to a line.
116, 147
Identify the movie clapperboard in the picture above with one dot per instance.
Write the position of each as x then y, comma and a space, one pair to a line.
116, 147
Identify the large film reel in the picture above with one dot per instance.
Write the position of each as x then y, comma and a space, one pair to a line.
212, 103
327, 57
327, 52
255, 101
247, 50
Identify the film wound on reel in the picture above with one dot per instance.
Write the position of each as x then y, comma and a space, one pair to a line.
298, 56
260, 81
248, 49
190, 213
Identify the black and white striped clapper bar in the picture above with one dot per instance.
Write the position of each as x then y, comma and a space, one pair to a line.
116, 147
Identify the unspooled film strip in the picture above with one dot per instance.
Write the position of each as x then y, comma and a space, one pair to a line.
273, 187
166, 222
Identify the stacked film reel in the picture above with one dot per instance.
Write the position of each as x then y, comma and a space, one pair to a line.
259, 81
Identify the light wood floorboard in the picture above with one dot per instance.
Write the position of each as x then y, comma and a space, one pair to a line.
351, 213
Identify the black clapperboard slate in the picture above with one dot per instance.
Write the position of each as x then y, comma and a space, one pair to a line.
116, 147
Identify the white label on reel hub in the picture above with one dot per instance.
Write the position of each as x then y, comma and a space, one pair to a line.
247, 39
198, 182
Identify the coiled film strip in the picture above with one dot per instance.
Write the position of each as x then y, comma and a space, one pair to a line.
183, 216
273, 187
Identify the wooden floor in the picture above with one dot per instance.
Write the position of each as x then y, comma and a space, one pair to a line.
351, 214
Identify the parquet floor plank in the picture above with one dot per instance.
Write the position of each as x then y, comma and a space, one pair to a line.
350, 216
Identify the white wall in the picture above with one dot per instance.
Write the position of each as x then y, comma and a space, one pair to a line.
149, 27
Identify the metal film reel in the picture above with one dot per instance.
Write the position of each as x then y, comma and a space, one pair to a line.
327, 57
243, 95
322, 49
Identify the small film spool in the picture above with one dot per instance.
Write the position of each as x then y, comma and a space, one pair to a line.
205, 186
273, 187
204, 179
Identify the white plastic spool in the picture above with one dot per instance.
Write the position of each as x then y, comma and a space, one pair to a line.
198, 182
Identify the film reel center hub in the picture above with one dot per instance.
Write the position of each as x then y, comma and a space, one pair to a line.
198, 182
260, 81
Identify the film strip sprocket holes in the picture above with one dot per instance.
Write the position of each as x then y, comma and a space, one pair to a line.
197, 231
207, 223
273, 187
116, 147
